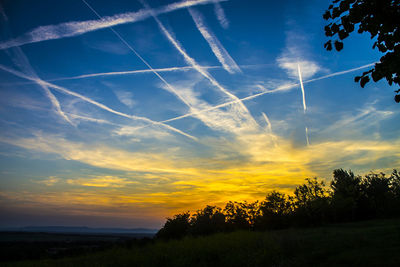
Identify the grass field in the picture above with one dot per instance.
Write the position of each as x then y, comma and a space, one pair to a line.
371, 243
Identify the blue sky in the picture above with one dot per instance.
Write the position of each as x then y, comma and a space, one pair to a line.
122, 114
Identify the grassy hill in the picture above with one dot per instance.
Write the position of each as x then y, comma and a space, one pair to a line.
370, 243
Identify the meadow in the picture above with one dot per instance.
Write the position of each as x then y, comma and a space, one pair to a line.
367, 243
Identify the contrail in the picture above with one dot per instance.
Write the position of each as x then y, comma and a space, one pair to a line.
21, 60
341, 72
302, 88
132, 72
116, 73
184, 68
268, 122
272, 136
221, 15
85, 118
75, 28
172, 89
278, 89
219, 51
304, 100
93, 102
308, 141
196, 66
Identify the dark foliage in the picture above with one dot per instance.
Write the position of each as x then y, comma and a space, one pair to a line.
380, 18
346, 195
175, 227
274, 212
207, 221
349, 198
310, 203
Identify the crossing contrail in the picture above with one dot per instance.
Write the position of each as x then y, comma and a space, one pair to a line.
241, 108
93, 102
170, 87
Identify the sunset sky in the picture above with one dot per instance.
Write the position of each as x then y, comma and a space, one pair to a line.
121, 113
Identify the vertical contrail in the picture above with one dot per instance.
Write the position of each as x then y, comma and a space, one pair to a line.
268, 122
269, 125
302, 88
304, 99
308, 141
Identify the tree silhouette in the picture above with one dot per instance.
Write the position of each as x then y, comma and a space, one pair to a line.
346, 194
176, 227
237, 216
351, 198
310, 202
274, 211
207, 221
378, 17
377, 195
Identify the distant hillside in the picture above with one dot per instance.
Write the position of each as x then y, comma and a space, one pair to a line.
81, 230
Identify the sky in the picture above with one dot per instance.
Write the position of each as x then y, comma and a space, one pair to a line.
122, 114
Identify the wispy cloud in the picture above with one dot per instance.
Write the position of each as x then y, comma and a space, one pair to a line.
102, 156
52, 180
93, 102
219, 51
295, 53
101, 181
219, 11
125, 98
216, 119
138, 133
3, 14
351, 124
290, 65
75, 28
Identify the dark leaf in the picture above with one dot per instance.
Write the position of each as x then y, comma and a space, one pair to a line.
338, 45
397, 98
328, 31
328, 45
335, 28
326, 15
343, 34
364, 80
335, 12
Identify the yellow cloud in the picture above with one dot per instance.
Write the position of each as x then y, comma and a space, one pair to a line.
169, 181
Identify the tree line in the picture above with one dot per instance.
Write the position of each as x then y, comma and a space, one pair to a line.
348, 198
